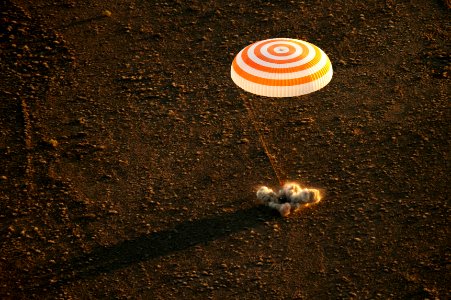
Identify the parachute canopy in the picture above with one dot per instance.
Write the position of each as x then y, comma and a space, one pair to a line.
281, 67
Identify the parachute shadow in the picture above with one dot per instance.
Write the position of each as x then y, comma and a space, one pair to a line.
182, 236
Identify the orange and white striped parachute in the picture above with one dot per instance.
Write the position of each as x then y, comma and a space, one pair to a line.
281, 67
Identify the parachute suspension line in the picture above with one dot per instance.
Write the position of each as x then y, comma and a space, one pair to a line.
271, 158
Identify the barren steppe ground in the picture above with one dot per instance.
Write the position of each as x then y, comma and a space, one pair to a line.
129, 164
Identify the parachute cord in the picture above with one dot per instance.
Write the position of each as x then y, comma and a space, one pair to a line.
271, 158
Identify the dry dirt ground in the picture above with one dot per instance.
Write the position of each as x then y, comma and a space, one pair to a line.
129, 164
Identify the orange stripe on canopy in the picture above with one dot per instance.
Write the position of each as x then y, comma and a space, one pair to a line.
247, 60
259, 54
282, 82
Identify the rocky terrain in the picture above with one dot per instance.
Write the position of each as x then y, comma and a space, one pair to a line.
129, 162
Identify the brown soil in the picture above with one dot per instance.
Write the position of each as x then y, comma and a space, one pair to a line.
129, 164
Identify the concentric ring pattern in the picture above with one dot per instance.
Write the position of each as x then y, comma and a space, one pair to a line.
281, 67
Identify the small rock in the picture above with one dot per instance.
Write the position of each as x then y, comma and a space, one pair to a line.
106, 13
244, 141
89, 216
53, 143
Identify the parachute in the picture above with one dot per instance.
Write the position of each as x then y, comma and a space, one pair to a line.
281, 67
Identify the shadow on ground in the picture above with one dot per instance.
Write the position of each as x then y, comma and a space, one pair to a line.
184, 235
